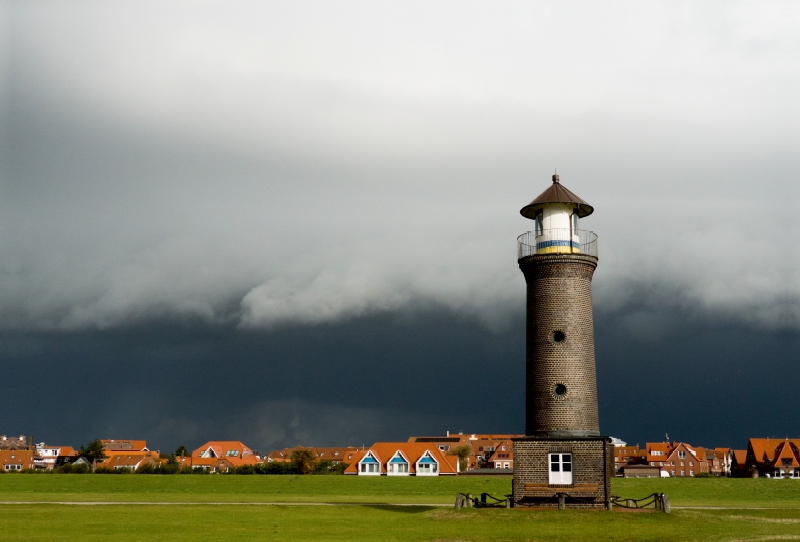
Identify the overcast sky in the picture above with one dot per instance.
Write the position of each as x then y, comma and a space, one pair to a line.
308, 210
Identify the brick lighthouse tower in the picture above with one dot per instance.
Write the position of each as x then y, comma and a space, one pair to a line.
562, 461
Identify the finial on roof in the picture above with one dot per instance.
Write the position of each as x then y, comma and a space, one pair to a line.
555, 178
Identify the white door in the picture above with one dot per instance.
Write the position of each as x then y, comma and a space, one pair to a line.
560, 468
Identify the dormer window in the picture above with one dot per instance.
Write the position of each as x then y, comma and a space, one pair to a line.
369, 465
427, 465
398, 466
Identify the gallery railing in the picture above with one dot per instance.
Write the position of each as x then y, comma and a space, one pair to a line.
557, 241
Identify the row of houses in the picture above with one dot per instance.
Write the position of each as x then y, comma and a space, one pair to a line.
764, 457
428, 456
215, 456
419, 456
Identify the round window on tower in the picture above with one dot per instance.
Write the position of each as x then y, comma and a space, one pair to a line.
558, 337
559, 390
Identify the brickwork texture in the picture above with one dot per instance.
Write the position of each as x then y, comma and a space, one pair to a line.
561, 384
592, 465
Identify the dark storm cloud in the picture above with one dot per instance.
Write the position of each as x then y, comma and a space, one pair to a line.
386, 376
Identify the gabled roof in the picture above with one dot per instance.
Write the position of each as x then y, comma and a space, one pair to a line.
765, 449
556, 193
740, 457
677, 446
786, 451
502, 455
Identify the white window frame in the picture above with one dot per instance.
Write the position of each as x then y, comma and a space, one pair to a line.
560, 468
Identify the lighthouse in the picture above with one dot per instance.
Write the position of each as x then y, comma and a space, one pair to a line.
562, 461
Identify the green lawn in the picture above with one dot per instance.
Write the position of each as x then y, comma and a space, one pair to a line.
192, 520
358, 489
259, 522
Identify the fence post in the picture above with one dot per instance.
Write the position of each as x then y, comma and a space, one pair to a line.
469, 500
666, 503
561, 501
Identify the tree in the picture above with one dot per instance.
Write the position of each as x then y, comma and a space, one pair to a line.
463, 453
94, 451
172, 460
182, 451
303, 461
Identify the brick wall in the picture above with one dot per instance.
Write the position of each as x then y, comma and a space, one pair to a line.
559, 299
589, 466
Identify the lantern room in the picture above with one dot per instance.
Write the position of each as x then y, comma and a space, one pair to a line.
556, 213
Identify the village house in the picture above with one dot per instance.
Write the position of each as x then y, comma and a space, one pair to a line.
16, 460
402, 459
115, 447
47, 456
223, 455
131, 461
683, 460
657, 452
502, 456
773, 458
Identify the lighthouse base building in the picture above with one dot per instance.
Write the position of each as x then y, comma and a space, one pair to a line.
562, 461
585, 467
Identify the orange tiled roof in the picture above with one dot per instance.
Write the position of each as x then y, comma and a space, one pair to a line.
17, 457
131, 460
233, 451
664, 447
786, 451
764, 449
332, 453
112, 445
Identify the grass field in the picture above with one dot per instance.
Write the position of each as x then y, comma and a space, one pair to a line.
189, 519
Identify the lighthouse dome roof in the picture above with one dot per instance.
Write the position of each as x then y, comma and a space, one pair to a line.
556, 193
